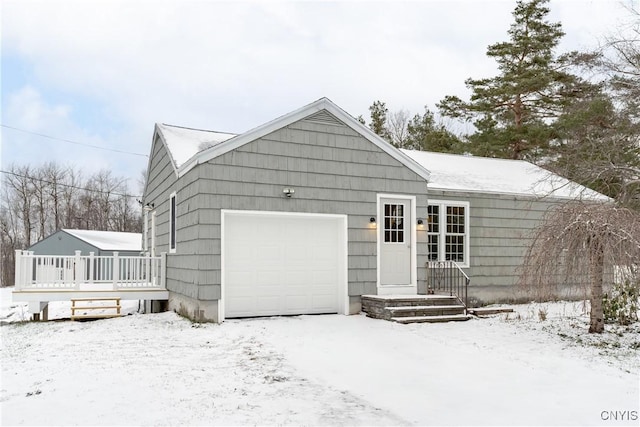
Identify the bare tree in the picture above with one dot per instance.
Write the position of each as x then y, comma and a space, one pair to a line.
35, 201
39, 193
54, 176
585, 245
397, 127
70, 194
20, 195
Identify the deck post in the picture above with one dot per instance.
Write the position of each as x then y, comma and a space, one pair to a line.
148, 274
18, 270
29, 268
77, 270
91, 267
163, 270
116, 270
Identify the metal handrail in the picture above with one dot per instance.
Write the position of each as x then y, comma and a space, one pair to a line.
448, 277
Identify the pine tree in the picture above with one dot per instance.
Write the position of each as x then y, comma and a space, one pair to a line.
378, 123
513, 111
424, 133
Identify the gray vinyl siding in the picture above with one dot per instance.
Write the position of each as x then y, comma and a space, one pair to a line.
161, 182
61, 243
333, 170
500, 232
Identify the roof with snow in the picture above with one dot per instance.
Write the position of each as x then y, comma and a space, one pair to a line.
503, 176
109, 240
183, 143
189, 147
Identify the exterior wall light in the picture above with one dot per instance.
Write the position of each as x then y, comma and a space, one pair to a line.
419, 222
288, 192
372, 220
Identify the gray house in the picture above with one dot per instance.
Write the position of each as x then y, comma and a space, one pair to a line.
307, 213
101, 243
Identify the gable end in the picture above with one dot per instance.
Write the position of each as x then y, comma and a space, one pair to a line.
324, 117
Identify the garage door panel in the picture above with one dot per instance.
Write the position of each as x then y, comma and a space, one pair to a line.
295, 303
243, 304
287, 264
269, 303
322, 302
322, 277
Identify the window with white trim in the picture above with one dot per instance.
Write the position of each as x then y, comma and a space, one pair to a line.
448, 231
172, 222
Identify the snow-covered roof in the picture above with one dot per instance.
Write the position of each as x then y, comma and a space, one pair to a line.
189, 147
184, 143
109, 240
488, 175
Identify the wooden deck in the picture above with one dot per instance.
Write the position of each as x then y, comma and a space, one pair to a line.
41, 279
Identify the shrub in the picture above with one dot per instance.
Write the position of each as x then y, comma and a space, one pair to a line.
621, 304
542, 314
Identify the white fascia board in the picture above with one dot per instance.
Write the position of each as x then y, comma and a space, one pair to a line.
166, 148
156, 135
294, 116
252, 135
527, 196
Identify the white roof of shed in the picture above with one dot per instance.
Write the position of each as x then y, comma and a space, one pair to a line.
109, 240
489, 175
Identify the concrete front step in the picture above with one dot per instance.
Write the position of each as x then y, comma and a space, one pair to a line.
416, 308
432, 319
410, 300
425, 310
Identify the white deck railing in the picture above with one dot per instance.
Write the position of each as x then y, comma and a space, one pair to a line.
81, 272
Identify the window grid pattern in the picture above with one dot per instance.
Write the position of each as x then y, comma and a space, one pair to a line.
455, 234
447, 232
433, 232
393, 223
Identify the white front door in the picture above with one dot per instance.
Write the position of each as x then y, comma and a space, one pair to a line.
395, 234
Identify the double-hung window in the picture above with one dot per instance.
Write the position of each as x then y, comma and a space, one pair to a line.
448, 231
172, 222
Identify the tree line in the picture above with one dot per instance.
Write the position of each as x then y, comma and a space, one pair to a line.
38, 200
574, 113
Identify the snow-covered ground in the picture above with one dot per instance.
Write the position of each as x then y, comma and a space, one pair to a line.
160, 369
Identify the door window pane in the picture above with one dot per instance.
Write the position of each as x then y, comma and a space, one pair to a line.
393, 223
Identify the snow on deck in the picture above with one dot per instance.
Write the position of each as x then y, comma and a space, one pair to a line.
184, 143
109, 240
483, 174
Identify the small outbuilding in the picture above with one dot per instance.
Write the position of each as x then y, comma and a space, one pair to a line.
101, 243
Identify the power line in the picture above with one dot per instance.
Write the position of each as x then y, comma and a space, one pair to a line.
73, 142
67, 185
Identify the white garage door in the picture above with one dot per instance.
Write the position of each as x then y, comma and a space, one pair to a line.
275, 263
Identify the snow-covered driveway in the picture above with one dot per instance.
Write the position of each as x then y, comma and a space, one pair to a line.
315, 370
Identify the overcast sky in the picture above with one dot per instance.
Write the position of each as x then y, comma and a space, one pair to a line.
103, 72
